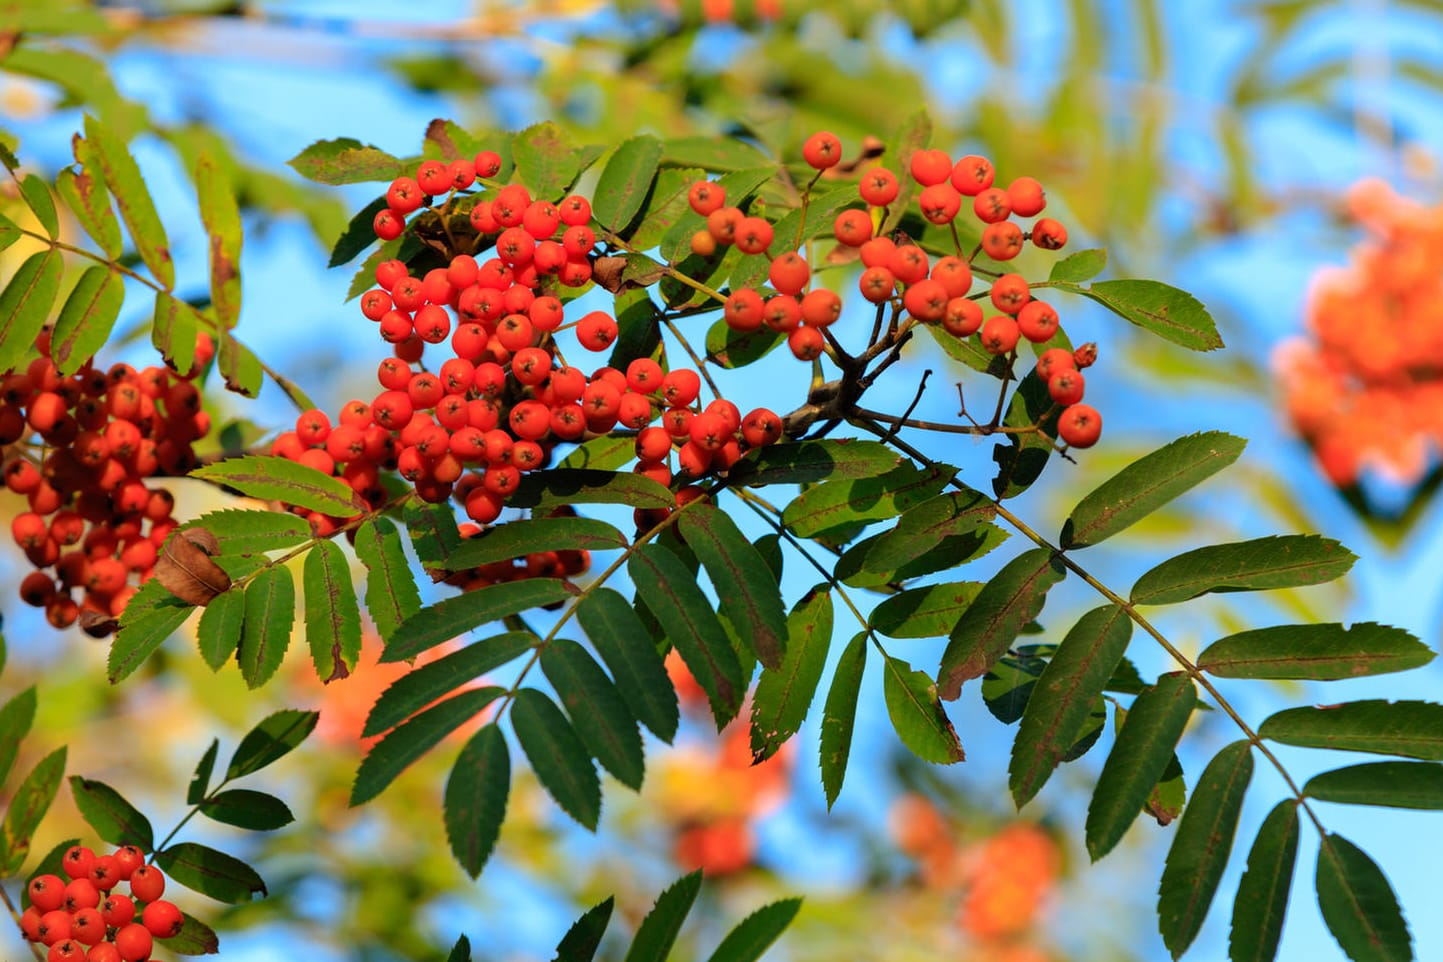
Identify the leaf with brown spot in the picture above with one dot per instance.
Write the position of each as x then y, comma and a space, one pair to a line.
186, 570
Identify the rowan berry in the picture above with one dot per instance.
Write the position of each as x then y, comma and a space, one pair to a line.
722, 224
69, 950
877, 284
753, 235
483, 217
633, 411
103, 952
596, 331
656, 469
1026, 197
878, 187
488, 163
653, 444
761, 427
1079, 426
77, 859
706, 196
821, 307
1049, 234
929, 167
433, 177
54, 926
510, 205
999, 334
541, 219
47, 892
461, 174
1010, 292
117, 909
909, 263
680, 386
575, 211
1038, 321
728, 412
703, 244
806, 343
692, 459
954, 274
822, 150
992, 205
852, 228
940, 203
87, 927
577, 241
1066, 386
972, 175
30, 923
404, 196
134, 942
1002, 241
677, 421
743, 310
926, 300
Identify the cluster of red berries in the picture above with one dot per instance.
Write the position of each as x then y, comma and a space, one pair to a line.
85, 918
80, 449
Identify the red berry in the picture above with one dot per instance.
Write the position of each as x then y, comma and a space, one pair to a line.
1038, 321
162, 919
1048, 234
147, 883
117, 909
999, 334
1080, 426
743, 309
706, 196
596, 331
1026, 197
753, 235
972, 175
930, 167
488, 163
77, 859
1066, 387
806, 343
940, 203
134, 942
47, 892
852, 228
1009, 292
761, 427
878, 187
822, 150
821, 307
1002, 241
926, 300
962, 318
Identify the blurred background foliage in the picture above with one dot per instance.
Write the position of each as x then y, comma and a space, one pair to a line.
1203, 144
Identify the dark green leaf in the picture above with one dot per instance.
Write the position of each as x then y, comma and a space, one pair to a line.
1201, 847
475, 803
754, 934
784, 694
562, 764
359, 234
839, 715
917, 714
86, 319
345, 161
333, 618
546, 160
1171, 314
1022, 459
624, 644
1391, 784
27, 807
1138, 759
446, 619
968, 351
195, 938
200, 781
114, 819
1359, 905
803, 462
37, 197
391, 593
220, 214
597, 710
433, 532
1147, 484
748, 592
584, 937
272, 739
926, 612
1008, 687
517, 538
924, 526
732, 349
541, 490
834, 505
15, 720
137, 209
244, 808
666, 204
606, 453
1262, 898
691, 625
421, 686
173, 331
25, 305
270, 614
625, 181
658, 931
1319, 652
221, 624
1280, 561
414, 738
712, 153
1065, 694
947, 556
1079, 266
1166, 800
223, 877
990, 624
279, 479
1410, 728
143, 628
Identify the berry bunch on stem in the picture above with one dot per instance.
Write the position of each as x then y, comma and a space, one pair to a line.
86, 917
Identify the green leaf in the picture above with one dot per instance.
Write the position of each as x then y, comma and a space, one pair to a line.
114, 819
597, 710
968, 351
839, 714
269, 615
86, 319
666, 204
271, 740
1262, 897
624, 644
839, 504
561, 761
242, 532
144, 627
805, 462
515, 539
584, 937
1022, 459
391, 593
1008, 686
279, 479
414, 737
345, 161
1359, 905
1201, 847
1166, 800
220, 214
1138, 759
1147, 484
657, 932
712, 153
137, 209
421, 686
749, 596
541, 490
333, 617
990, 624
221, 624
242, 370
195, 938
433, 532
200, 781
917, 714
924, 526
732, 349
1410, 728
606, 453
1064, 697
244, 808
784, 694
1318, 652
546, 160
1279, 561
691, 625
913, 134
359, 235
1171, 314
475, 802
84, 193
929, 611
1391, 784
37, 197
434, 624
1079, 266
754, 934
173, 331
27, 807
625, 181
15, 720
223, 877
25, 305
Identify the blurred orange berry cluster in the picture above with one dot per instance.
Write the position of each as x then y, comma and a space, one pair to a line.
1364, 386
